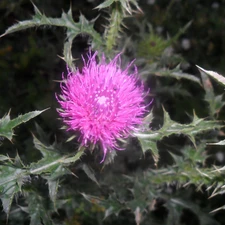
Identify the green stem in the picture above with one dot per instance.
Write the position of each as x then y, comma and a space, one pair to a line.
114, 27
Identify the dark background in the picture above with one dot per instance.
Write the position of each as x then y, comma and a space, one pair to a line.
30, 64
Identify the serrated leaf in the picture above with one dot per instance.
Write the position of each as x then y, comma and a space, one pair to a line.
7, 125
11, 180
90, 173
177, 74
105, 4
82, 27
127, 7
43, 136
18, 162
150, 138
150, 145
37, 209
215, 102
8, 195
51, 166
216, 76
124, 3
53, 186
40, 19
4, 158
147, 121
52, 162
75, 157
46, 150
66, 20
48, 164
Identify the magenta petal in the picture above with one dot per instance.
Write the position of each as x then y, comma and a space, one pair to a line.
103, 102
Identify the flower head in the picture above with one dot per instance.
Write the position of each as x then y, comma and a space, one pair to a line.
102, 102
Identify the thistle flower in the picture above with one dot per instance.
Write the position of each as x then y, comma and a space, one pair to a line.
103, 102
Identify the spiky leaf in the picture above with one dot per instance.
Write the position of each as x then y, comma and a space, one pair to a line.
105, 4
150, 138
51, 161
4, 158
66, 20
53, 186
90, 173
216, 76
126, 5
52, 165
7, 125
11, 180
37, 209
39, 19
177, 74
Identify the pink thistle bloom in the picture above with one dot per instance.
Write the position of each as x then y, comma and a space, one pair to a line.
102, 102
